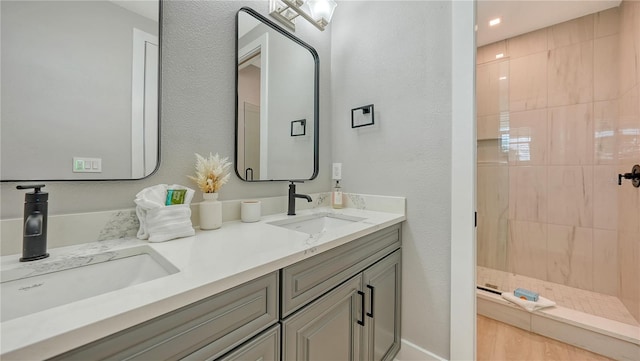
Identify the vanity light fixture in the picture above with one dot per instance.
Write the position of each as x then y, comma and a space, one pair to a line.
501, 55
494, 22
317, 12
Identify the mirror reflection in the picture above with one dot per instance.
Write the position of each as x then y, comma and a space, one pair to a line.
80, 84
277, 102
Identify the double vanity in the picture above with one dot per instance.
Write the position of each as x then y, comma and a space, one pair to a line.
324, 284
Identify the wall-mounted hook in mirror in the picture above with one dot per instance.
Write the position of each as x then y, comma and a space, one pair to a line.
298, 127
634, 176
362, 116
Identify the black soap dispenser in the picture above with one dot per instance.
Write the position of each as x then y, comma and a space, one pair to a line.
34, 236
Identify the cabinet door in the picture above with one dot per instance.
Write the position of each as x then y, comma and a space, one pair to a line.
383, 285
328, 328
264, 347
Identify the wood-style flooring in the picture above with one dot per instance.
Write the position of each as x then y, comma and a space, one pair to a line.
497, 341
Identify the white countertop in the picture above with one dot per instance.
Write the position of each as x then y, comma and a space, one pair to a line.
209, 262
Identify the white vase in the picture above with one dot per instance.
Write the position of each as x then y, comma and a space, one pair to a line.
210, 211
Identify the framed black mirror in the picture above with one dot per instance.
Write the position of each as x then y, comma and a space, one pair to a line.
277, 103
80, 89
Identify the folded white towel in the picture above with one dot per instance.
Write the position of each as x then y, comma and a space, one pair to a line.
526, 304
158, 222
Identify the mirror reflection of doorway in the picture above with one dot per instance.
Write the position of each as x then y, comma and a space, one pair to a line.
252, 140
249, 73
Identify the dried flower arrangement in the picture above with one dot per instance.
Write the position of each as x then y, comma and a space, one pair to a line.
211, 173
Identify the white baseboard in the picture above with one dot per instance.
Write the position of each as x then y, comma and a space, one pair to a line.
412, 352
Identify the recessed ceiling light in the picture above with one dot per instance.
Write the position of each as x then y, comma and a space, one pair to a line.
498, 56
503, 78
494, 22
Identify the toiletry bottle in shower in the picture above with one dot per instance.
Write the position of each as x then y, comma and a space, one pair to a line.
337, 197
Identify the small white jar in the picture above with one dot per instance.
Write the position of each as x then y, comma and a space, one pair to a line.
250, 211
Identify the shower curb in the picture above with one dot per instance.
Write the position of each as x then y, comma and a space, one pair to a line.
613, 339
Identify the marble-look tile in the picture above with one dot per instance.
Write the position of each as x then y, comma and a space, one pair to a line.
636, 36
571, 135
570, 74
488, 52
570, 192
629, 253
607, 22
628, 204
490, 151
605, 119
528, 137
526, 44
605, 68
527, 248
605, 197
571, 32
492, 204
605, 262
528, 82
488, 127
569, 256
628, 138
629, 67
121, 224
528, 193
492, 87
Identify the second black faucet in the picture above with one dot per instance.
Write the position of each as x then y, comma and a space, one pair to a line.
292, 198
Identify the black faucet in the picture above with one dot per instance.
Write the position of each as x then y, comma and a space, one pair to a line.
292, 198
34, 236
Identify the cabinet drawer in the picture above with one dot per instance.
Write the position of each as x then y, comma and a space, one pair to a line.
310, 278
264, 347
219, 322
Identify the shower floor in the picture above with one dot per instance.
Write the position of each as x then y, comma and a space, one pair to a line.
594, 303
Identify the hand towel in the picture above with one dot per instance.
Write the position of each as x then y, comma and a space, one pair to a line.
528, 305
158, 222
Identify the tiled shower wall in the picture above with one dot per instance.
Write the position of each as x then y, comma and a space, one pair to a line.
557, 121
628, 146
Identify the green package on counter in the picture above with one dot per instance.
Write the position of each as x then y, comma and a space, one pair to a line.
175, 196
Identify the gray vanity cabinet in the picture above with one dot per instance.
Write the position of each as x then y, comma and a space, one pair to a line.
357, 313
342, 304
382, 326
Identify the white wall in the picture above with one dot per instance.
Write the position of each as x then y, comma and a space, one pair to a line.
197, 112
397, 55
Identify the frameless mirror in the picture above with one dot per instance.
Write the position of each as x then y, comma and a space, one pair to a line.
276, 102
80, 89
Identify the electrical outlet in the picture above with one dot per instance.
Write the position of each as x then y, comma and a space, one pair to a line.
336, 171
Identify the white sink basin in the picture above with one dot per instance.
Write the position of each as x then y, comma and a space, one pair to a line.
34, 287
316, 223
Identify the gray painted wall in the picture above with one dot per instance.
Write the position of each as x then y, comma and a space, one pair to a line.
397, 55
197, 112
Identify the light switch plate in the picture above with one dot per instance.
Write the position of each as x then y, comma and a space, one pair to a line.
87, 165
